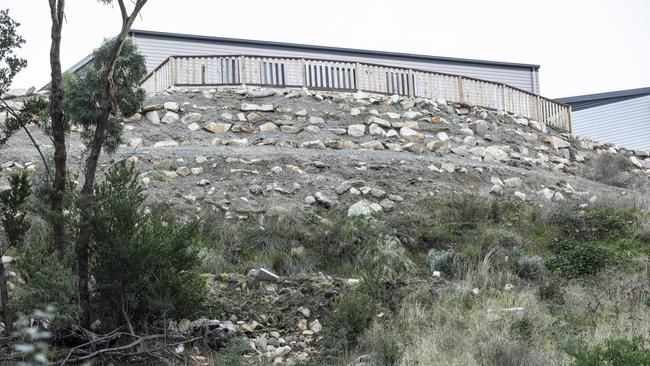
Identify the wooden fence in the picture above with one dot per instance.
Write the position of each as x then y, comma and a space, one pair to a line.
197, 71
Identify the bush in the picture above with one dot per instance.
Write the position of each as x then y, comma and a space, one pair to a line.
233, 353
48, 282
144, 265
613, 351
577, 259
12, 216
530, 267
447, 262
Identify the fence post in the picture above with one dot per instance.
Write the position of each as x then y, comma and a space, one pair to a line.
303, 67
242, 67
174, 77
505, 98
357, 76
461, 90
411, 83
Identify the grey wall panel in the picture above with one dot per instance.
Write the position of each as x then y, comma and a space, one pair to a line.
157, 49
625, 123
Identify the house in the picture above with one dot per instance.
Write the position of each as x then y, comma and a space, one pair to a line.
182, 60
620, 117
157, 46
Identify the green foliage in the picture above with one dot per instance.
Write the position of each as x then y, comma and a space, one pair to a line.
233, 353
83, 93
579, 259
10, 63
609, 224
614, 352
34, 110
47, 281
144, 264
447, 262
12, 214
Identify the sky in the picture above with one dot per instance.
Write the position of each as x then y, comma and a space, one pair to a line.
583, 46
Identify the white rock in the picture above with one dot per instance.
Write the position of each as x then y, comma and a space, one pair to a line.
194, 127
410, 134
442, 136
166, 143
361, 208
171, 106
356, 130
153, 117
316, 120
375, 130
170, 117
496, 190
377, 120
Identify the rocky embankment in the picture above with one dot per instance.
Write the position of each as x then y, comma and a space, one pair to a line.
240, 152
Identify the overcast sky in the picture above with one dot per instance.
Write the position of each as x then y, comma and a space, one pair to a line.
583, 46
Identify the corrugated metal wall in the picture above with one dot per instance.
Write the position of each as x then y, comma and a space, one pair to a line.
157, 49
625, 123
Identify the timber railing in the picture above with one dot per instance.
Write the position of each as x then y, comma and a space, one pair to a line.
197, 71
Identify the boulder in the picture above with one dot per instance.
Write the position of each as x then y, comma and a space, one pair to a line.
356, 130
171, 106
410, 134
360, 208
217, 127
170, 117
268, 127
153, 117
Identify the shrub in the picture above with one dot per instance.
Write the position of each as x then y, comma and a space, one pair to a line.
609, 224
12, 216
144, 265
613, 351
48, 282
447, 262
233, 353
530, 267
579, 259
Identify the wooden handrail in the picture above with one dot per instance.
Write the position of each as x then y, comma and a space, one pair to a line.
325, 74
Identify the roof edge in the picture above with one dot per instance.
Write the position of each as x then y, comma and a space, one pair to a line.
606, 95
329, 49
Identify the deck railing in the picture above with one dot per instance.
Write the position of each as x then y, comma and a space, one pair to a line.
197, 71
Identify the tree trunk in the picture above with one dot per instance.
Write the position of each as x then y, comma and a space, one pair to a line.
58, 128
4, 295
107, 106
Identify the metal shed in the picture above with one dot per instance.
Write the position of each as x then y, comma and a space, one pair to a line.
620, 117
157, 46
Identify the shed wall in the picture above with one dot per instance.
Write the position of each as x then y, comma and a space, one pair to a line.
625, 123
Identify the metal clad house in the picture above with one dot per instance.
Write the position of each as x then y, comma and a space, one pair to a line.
620, 117
157, 46
181, 60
